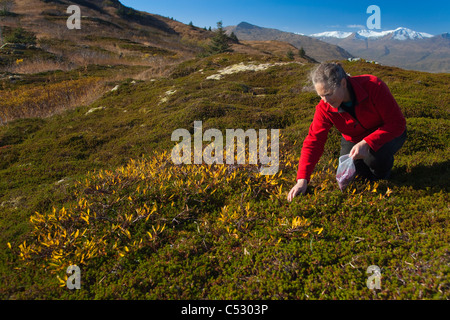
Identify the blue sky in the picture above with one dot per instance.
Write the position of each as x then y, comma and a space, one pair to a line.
305, 17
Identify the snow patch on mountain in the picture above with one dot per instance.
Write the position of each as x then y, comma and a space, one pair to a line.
405, 34
332, 34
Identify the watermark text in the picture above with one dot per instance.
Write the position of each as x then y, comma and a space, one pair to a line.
74, 21
214, 152
374, 21
374, 281
74, 279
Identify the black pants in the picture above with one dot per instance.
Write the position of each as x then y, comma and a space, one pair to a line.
377, 165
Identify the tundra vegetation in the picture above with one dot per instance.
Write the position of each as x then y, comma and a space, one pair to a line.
91, 183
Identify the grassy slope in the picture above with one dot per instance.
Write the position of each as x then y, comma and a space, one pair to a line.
240, 241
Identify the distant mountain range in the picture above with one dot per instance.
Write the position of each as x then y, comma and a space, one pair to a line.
113, 31
397, 34
401, 47
314, 48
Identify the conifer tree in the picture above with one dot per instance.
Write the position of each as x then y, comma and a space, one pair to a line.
290, 55
301, 52
219, 43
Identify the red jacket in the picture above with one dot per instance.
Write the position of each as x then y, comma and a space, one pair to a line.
379, 120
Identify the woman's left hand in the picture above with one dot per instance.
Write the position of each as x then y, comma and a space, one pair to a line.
360, 150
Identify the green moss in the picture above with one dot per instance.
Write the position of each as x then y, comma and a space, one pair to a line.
213, 246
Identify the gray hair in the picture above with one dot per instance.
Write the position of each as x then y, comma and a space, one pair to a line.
329, 74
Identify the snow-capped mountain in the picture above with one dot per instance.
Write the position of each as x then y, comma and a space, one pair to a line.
397, 34
405, 34
401, 47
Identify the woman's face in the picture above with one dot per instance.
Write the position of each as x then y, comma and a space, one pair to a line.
330, 96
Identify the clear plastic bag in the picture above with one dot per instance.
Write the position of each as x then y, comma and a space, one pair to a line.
346, 171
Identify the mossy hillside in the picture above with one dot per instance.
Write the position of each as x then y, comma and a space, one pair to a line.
220, 233
233, 243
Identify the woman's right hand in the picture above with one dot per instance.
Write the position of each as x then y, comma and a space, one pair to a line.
300, 187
